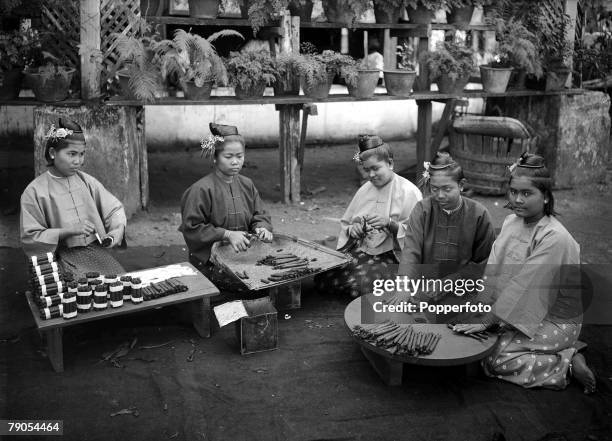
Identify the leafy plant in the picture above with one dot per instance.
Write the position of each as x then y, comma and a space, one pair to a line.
554, 44
466, 3
250, 69
190, 57
52, 71
405, 51
516, 47
449, 58
261, 12
391, 5
316, 68
595, 62
19, 50
432, 5
139, 60
286, 64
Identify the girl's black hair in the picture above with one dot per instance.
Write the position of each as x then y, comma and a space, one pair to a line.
534, 167
444, 163
382, 152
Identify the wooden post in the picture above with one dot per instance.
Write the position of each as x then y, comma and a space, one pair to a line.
90, 49
425, 112
389, 50
289, 134
571, 9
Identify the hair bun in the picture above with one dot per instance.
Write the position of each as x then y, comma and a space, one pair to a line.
67, 123
442, 160
530, 160
222, 130
368, 142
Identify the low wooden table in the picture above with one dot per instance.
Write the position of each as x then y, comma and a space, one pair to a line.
452, 349
198, 295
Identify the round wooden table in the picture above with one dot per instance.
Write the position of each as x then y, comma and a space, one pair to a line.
452, 349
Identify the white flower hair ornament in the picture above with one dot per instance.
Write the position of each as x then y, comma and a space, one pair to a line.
356, 156
56, 134
209, 145
426, 174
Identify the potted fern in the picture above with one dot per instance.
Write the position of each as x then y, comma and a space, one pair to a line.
345, 11
516, 52
557, 50
192, 62
399, 81
249, 73
450, 66
317, 71
139, 63
424, 11
302, 9
460, 11
18, 50
51, 81
388, 11
261, 12
287, 74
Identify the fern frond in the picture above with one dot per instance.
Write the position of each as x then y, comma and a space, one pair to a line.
224, 33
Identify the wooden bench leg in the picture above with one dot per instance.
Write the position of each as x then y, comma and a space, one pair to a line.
55, 350
389, 370
201, 316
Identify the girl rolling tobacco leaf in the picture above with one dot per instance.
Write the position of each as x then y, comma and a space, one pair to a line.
65, 210
223, 205
533, 283
374, 224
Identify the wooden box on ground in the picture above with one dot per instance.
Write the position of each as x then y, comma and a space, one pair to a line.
259, 331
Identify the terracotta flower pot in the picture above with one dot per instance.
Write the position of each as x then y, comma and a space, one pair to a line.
10, 84
399, 82
449, 86
318, 90
193, 92
287, 85
518, 79
304, 11
556, 79
461, 16
382, 15
338, 11
495, 80
420, 15
124, 84
255, 91
52, 88
204, 8
367, 79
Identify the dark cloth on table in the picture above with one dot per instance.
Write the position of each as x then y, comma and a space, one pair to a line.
357, 277
91, 258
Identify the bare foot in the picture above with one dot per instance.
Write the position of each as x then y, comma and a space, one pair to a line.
581, 372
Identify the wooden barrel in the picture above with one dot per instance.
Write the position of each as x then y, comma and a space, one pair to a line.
485, 157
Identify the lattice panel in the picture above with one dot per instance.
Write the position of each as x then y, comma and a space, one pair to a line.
552, 9
61, 23
116, 16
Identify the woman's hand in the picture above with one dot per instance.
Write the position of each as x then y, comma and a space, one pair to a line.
238, 240
469, 328
377, 221
84, 228
264, 234
356, 230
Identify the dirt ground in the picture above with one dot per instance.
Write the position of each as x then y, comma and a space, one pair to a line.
317, 385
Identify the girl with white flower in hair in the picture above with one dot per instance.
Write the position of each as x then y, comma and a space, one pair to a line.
68, 211
223, 205
534, 286
449, 236
373, 226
